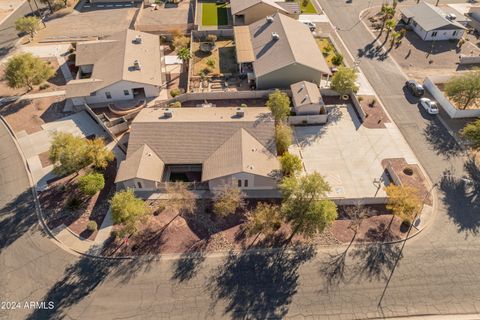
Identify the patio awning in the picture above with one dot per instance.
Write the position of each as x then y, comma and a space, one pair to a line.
243, 44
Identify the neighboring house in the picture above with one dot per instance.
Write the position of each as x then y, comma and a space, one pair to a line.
306, 98
432, 23
474, 14
124, 66
249, 11
278, 51
208, 147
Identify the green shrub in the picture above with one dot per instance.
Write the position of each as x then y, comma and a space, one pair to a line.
337, 60
175, 92
91, 183
92, 226
44, 86
211, 62
176, 104
243, 105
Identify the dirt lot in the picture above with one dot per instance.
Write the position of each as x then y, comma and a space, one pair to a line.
29, 115
419, 58
57, 82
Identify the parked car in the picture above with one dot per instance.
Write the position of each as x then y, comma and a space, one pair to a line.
415, 88
429, 105
309, 24
7, 100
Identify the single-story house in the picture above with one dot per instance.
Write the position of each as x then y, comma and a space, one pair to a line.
432, 23
208, 147
248, 11
124, 66
474, 14
278, 51
306, 98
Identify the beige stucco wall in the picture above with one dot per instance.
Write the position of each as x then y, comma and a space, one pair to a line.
309, 109
255, 182
133, 184
284, 77
116, 91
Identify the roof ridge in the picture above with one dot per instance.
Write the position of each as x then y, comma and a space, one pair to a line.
290, 47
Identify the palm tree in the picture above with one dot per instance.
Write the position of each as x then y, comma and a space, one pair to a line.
388, 13
184, 54
390, 25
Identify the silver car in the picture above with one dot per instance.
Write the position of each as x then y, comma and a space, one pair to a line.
429, 105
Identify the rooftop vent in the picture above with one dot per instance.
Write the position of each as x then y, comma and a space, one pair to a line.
240, 112
168, 113
269, 19
137, 39
451, 16
136, 65
275, 36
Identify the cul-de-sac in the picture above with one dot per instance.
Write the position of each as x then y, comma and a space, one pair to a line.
240, 159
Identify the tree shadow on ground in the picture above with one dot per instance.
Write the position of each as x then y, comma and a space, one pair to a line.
440, 140
78, 281
373, 260
259, 285
370, 51
17, 217
188, 265
462, 198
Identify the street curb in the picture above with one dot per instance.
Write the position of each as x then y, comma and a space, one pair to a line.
431, 185
33, 188
13, 11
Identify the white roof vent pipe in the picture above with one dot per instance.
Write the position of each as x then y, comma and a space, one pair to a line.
269, 19
275, 36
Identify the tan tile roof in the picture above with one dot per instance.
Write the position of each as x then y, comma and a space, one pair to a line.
143, 163
243, 44
305, 93
295, 45
236, 6
193, 134
113, 59
240, 153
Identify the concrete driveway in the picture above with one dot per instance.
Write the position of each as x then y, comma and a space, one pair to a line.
349, 155
38, 143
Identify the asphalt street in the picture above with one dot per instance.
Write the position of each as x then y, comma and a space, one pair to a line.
8, 34
437, 273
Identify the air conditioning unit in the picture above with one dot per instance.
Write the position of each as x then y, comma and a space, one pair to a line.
269, 19
138, 39
275, 36
451, 16
168, 113
136, 65
240, 112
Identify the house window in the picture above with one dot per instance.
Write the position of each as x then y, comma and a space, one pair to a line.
126, 92
245, 183
239, 183
108, 95
94, 93
434, 33
139, 185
